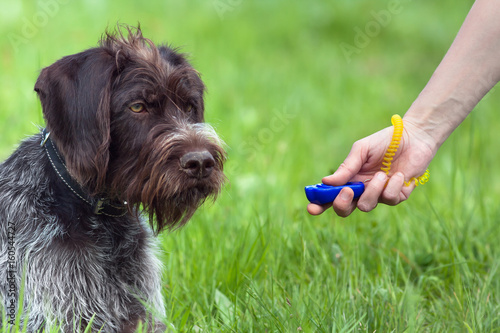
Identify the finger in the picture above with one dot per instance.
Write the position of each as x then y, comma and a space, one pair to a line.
349, 168
370, 197
314, 209
344, 204
393, 192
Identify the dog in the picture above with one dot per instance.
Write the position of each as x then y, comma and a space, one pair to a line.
125, 144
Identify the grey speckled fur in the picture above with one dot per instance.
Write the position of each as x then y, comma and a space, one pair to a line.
106, 280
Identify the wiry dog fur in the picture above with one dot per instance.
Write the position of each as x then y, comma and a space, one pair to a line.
126, 118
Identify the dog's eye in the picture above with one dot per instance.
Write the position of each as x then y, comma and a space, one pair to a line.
137, 107
189, 108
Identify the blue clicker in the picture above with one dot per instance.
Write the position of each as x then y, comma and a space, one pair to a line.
321, 194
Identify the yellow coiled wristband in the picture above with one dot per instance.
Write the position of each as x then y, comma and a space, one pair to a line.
397, 122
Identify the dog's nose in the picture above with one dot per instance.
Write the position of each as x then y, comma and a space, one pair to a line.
198, 164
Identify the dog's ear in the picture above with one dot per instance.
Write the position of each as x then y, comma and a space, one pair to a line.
75, 93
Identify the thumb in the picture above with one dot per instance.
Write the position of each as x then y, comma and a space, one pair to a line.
348, 169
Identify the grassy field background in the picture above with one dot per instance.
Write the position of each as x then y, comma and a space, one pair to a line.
289, 103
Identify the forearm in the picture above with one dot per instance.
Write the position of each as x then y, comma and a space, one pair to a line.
469, 70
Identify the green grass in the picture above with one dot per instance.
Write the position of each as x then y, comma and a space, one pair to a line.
289, 105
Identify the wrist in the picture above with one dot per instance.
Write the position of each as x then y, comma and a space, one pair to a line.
434, 122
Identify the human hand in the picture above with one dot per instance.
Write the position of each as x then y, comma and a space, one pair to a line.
363, 163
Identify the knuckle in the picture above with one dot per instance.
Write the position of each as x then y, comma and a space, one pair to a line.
345, 167
358, 144
344, 213
366, 206
391, 198
343, 210
341, 213
392, 202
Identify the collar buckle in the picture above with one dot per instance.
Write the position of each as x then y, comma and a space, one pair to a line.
99, 206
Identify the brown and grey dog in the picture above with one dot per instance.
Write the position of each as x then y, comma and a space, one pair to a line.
124, 142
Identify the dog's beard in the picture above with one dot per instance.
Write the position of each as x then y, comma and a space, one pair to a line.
156, 183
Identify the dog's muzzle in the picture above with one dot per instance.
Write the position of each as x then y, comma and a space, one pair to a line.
198, 164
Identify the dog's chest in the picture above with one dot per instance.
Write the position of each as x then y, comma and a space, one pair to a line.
112, 243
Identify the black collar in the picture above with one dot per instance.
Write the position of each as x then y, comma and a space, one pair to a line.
99, 205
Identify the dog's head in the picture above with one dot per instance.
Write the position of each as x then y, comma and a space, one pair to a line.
127, 117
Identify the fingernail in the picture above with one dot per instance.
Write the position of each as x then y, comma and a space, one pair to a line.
399, 174
344, 195
381, 176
